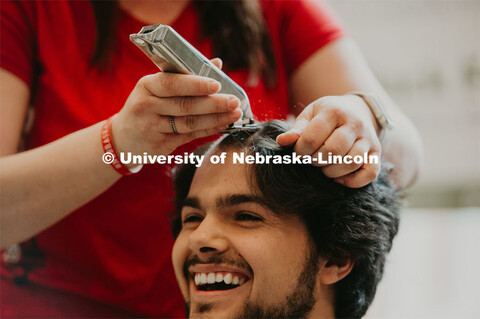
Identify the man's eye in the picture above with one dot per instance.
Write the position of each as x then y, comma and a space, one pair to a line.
192, 219
242, 216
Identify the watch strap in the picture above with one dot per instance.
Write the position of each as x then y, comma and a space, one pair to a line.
384, 121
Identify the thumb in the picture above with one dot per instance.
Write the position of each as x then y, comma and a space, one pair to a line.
217, 62
291, 136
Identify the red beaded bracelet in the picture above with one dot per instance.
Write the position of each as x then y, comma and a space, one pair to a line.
110, 156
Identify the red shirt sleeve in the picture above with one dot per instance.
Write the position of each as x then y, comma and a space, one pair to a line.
307, 26
17, 44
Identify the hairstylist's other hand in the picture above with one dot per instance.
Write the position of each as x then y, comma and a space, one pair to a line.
143, 124
340, 125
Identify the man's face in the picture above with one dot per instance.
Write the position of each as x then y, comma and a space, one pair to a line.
235, 257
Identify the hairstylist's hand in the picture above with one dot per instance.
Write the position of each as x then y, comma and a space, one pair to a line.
143, 124
341, 125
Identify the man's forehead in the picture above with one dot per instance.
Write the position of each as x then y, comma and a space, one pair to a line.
221, 176
225, 200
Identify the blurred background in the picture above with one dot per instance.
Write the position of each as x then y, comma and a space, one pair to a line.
426, 53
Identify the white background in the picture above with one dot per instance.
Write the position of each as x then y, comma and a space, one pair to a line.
427, 56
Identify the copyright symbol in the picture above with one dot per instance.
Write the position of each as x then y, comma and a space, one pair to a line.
108, 158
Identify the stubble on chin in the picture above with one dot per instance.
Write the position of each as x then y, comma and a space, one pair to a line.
199, 309
296, 305
299, 303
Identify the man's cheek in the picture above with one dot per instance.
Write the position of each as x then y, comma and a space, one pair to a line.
180, 252
272, 282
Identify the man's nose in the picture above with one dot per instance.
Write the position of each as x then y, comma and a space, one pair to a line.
208, 238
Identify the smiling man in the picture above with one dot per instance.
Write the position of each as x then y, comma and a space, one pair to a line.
277, 241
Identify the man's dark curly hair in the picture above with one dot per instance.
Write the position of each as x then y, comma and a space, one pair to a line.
344, 223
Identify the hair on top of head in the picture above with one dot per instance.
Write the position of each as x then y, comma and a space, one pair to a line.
343, 223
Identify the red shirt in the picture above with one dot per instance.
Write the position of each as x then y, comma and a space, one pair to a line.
116, 249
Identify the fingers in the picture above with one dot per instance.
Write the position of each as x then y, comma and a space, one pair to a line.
365, 175
293, 134
314, 135
193, 102
360, 148
217, 62
185, 105
192, 123
188, 137
340, 142
165, 84
337, 127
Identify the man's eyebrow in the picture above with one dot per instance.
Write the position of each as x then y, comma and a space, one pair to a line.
236, 199
193, 202
226, 201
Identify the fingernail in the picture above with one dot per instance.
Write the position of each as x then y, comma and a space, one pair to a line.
219, 62
214, 86
340, 181
233, 102
234, 114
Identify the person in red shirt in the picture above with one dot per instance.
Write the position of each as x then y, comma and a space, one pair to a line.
91, 233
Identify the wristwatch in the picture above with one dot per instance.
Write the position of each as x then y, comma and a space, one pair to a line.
384, 121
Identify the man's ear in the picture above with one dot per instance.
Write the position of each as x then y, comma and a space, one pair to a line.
332, 272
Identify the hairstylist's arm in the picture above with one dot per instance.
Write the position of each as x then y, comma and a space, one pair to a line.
41, 186
343, 124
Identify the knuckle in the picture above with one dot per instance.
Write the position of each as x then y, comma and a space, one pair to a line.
336, 112
145, 82
334, 148
185, 105
362, 145
357, 125
217, 105
323, 101
318, 105
142, 105
333, 114
167, 83
191, 122
309, 141
219, 119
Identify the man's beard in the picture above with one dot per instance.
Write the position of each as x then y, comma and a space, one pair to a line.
298, 304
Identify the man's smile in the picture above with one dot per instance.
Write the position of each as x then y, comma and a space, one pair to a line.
216, 280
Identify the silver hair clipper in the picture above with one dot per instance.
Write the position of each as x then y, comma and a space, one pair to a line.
172, 53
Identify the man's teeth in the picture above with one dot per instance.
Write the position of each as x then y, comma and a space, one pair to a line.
211, 278
228, 278
235, 280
